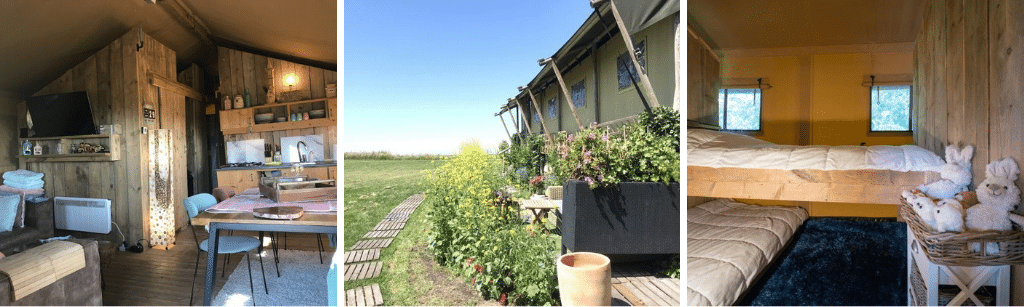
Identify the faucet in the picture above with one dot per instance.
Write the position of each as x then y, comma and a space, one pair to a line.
302, 157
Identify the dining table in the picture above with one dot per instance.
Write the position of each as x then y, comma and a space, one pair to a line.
235, 213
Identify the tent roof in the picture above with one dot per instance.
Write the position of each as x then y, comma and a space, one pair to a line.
598, 29
43, 39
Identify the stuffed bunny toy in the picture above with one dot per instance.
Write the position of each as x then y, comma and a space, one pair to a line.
949, 216
923, 206
956, 174
997, 196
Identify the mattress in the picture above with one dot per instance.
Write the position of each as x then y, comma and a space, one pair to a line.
722, 149
729, 244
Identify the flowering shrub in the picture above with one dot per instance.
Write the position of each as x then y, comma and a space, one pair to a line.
647, 151
476, 228
524, 157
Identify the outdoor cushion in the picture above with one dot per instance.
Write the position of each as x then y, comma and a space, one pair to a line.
8, 211
232, 244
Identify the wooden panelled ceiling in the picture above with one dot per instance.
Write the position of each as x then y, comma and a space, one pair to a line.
754, 24
41, 39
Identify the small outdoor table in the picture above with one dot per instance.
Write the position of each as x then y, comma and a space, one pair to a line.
539, 207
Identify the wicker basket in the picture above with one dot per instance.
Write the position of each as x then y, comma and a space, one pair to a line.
951, 249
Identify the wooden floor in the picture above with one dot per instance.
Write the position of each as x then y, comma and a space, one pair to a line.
639, 284
163, 277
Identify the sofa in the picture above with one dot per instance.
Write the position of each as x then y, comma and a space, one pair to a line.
81, 288
38, 225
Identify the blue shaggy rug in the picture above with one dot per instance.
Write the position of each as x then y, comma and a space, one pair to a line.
838, 262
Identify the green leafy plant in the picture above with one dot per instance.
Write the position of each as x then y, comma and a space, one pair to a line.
475, 227
524, 156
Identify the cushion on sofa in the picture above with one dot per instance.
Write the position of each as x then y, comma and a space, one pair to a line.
8, 211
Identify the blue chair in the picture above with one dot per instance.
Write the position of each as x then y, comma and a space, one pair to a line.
228, 244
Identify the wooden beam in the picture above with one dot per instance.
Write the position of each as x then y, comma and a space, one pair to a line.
565, 91
536, 108
523, 114
168, 84
183, 14
504, 125
646, 82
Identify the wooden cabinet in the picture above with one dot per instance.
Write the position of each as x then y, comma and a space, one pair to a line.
240, 179
280, 116
317, 172
332, 172
236, 121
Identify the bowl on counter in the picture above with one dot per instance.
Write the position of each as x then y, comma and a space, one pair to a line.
282, 119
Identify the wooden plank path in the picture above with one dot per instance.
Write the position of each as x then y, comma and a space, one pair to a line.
364, 296
363, 270
362, 255
641, 285
371, 244
382, 234
388, 225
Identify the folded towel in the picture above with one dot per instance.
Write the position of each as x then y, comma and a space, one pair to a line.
23, 175
26, 192
18, 185
23, 182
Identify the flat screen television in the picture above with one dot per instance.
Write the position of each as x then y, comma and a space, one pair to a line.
61, 114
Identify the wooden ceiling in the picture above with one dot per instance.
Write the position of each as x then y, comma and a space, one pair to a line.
745, 24
41, 39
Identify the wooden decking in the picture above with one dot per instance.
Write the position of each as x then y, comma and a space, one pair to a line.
364, 296
163, 277
639, 284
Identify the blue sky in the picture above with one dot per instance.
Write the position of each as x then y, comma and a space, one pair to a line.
425, 76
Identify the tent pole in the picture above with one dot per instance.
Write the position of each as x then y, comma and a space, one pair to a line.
626, 36
504, 125
536, 107
565, 90
523, 114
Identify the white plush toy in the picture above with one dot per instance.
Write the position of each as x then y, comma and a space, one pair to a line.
956, 174
923, 206
997, 196
949, 216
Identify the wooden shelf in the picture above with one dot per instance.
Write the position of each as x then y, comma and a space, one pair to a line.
241, 121
112, 142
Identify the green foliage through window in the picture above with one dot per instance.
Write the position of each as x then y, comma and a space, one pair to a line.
739, 109
890, 108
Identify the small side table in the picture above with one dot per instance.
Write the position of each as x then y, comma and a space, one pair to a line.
924, 278
539, 207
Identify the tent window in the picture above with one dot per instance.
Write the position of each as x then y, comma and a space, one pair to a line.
579, 95
536, 115
553, 107
625, 64
739, 109
890, 108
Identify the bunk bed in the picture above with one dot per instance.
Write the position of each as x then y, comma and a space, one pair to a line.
730, 244
729, 165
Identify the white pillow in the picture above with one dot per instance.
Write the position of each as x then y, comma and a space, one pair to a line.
8, 211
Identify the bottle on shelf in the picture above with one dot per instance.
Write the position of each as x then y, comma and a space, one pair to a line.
26, 149
38, 150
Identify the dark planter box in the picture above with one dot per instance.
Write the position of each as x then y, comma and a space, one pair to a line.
631, 218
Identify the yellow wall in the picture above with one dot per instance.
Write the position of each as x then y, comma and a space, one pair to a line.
817, 98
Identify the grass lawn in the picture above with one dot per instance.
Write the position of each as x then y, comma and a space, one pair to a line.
410, 275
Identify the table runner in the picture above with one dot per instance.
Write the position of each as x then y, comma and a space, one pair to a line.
251, 199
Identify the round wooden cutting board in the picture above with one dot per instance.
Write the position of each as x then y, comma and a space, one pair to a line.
279, 213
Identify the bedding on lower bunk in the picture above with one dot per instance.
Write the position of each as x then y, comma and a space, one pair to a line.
723, 149
730, 243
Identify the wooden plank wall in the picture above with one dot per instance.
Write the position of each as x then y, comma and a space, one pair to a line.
196, 131
10, 109
969, 79
239, 71
704, 77
114, 78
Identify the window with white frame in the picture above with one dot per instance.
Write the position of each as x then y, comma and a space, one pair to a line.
579, 95
890, 108
739, 109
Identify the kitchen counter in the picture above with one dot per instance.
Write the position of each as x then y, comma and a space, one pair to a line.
275, 167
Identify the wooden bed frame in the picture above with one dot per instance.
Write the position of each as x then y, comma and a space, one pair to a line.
841, 186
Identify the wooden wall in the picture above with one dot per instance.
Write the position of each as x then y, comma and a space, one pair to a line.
196, 130
969, 82
114, 78
9, 147
704, 78
239, 71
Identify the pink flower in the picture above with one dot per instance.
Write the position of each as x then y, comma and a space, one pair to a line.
605, 137
588, 180
591, 136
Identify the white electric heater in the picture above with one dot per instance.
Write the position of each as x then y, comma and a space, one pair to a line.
82, 214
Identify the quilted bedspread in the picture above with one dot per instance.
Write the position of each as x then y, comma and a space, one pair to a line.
729, 243
723, 149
